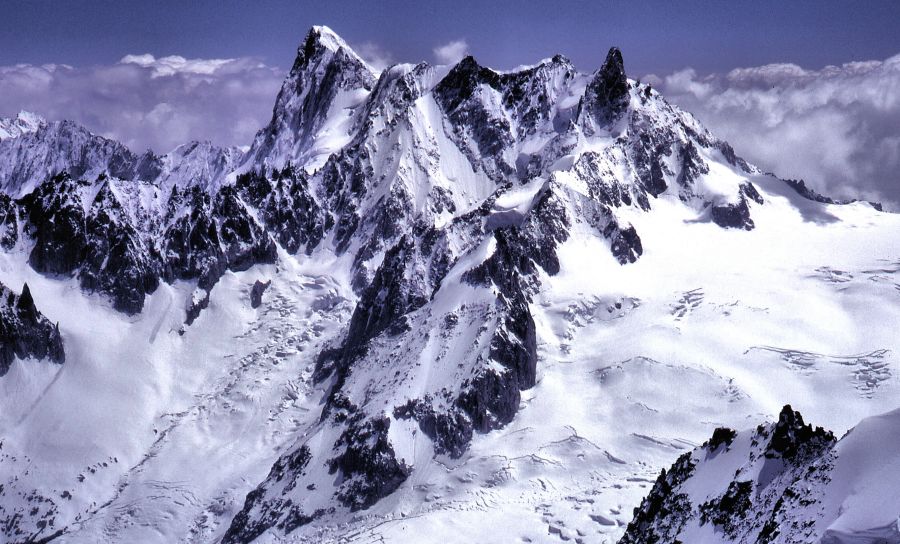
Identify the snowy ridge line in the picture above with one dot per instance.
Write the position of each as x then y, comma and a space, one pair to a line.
783, 482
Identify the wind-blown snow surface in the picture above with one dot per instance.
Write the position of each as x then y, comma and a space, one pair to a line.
500, 304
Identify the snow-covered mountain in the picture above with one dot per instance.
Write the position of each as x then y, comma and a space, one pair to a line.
782, 482
25, 122
33, 150
434, 300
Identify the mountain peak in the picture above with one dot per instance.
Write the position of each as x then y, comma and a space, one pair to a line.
23, 123
325, 68
607, 92
320, 42
612, 75
614, 66
327, 37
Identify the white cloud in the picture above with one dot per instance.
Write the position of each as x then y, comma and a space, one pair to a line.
375, 55
171, 65
452, 52
146, 101
837, 128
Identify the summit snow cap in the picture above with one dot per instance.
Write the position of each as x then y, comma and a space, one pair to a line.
319, 41
326, 72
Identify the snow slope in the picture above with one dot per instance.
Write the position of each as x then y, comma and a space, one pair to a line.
500, 302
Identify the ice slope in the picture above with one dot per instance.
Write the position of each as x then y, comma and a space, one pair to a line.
500, 303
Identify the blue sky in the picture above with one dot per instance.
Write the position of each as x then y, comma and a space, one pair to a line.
656, 36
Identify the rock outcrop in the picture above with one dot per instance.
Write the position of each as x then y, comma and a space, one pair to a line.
25, 332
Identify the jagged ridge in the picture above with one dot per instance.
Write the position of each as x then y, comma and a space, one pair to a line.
25, 332
790, 483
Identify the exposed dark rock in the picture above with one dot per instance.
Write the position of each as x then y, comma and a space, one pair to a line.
9, 222
199, 237
648, 151
470, 116
737, 215
606, 96
791, 436
721, 436
208, 236
258, 515
344, 181
749, 190
199, 302
244, 241
395, 290
807, 192
519, 249
57, 223
116, 261
450, 430
663, 512
25, 332
733, 216
101, 245
625, 243
725, 509
286, 206
764, 502
491, 398
366, 463
256, 292
692, 166
732, 158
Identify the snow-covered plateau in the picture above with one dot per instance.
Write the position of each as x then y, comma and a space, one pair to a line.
441, 304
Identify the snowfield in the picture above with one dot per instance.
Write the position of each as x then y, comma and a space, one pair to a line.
431, 231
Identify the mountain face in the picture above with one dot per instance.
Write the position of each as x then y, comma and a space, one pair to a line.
34, 150
417, 292
782, 482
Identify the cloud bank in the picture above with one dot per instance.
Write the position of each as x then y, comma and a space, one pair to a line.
837, 128
149, 102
